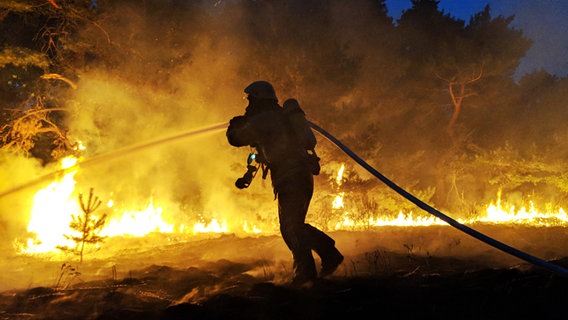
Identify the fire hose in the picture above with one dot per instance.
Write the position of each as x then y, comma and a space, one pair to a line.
422, 205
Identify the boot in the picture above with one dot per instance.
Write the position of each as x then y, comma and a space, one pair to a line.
305, 272
330, 262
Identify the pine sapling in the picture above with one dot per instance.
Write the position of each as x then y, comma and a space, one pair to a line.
87, 225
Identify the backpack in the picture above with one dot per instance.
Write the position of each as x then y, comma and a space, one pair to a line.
300, 130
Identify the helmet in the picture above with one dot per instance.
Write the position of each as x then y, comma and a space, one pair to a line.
261, 90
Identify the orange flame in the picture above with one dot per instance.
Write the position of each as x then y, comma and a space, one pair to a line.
496, 213
54, 205
138, 223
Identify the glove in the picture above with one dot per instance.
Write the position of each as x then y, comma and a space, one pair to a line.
236, 132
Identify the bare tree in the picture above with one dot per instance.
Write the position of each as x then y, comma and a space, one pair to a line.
459, 89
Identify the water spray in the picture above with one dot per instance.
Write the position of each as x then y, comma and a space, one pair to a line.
422, 205
117, 154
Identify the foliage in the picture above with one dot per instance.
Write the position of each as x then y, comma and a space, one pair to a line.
18, 6
27, 125
364, 200
34, 52
87, 225
23, 57
513, 172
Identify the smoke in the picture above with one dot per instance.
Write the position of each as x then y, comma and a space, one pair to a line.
193, 173
150, 82
15, 207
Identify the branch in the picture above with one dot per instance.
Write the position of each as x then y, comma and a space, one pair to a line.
52, 2
59, 77
92, 204
103, 30
475, 78
34, 111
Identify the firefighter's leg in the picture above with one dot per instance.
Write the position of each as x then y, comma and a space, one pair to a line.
324, 246
291, 212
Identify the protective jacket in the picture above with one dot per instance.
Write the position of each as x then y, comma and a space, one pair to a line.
264, 127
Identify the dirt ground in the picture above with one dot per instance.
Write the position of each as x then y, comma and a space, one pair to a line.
391, 273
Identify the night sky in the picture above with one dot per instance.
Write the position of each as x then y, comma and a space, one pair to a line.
542, 21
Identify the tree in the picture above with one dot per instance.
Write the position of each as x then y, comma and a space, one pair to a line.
33, 57
290, 44
457, 59
430, 43
459, 89
87, 225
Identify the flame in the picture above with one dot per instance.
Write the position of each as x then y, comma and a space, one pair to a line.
338, 201
54, 206
213, 226
339, 177
496, 213
499, 213
50, 216
138, 223
253, 229
401, 220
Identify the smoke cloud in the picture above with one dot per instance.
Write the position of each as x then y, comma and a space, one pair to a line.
194, 173
15, 207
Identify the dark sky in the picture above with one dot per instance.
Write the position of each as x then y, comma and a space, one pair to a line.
543, 21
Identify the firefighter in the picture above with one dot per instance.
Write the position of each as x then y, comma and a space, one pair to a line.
264, 127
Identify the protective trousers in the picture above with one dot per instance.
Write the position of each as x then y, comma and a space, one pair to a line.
294, 196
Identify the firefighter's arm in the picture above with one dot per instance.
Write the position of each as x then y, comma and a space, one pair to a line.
239, 133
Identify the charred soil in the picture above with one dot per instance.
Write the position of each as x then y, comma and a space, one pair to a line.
373, 282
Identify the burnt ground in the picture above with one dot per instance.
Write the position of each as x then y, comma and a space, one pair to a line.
213, 279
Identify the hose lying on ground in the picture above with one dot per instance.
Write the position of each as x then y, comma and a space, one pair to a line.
476, 234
